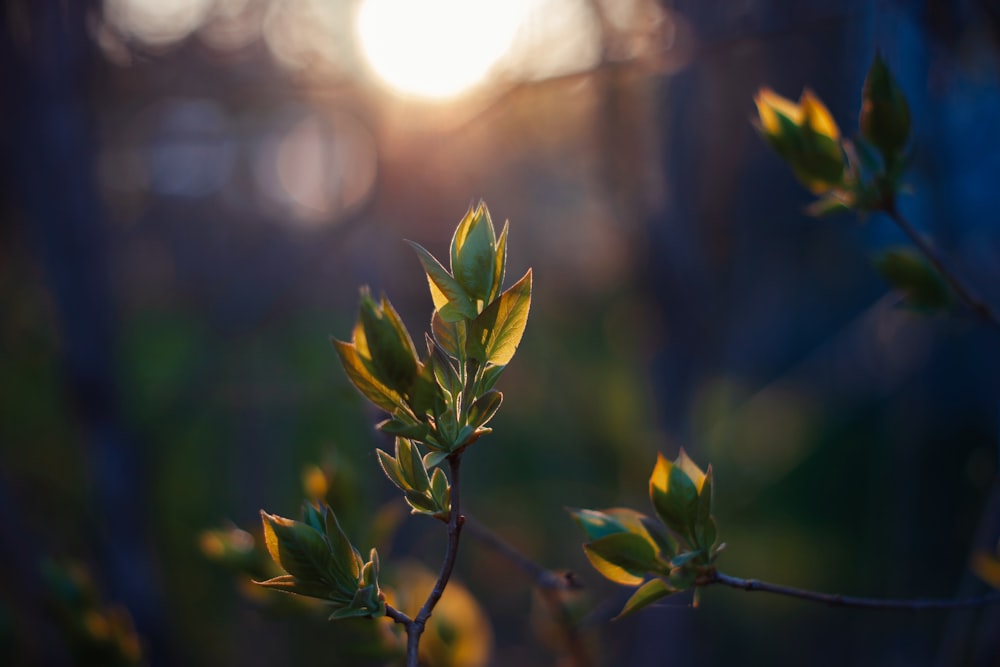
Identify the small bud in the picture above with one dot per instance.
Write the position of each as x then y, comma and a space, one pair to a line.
474, 254
805, 135
885, 114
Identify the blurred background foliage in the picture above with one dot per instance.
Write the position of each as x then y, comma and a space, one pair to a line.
193, 190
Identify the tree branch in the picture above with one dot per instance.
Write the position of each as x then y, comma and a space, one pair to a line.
549, 583
398, 616
837, 600
540, 576
415, 627
980, 308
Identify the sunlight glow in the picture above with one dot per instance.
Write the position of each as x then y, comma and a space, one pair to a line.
437, 48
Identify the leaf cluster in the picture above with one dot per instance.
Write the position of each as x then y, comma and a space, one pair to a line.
662, 555
321, 562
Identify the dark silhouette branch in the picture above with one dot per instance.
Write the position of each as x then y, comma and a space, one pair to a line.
980, 308
837, 600
540, 576
550, 585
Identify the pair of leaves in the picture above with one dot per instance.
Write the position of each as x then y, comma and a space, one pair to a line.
478, 261
627, 547
682, 495
425, 494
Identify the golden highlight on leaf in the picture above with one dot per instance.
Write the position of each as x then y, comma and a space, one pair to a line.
770, 104
691, 469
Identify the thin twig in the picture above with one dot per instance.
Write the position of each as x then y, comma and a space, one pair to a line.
398, 616
980, 308
542, 577
415, 627
837, 600
549, 583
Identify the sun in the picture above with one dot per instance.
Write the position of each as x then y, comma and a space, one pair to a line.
437, 49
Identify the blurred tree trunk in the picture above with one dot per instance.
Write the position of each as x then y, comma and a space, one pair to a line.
48, 62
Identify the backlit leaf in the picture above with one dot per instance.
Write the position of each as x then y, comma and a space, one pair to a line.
495, 334
596, 524
501, 264
451, 336
674, 496
391, 469
363, 380
450, 300
645, 595
473, 253
624, 558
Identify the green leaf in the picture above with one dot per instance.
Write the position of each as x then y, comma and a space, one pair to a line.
421, 502
674, 496
426, 397
645, 595
447, 428
451, 336
885, 115
495, 334
501, 264
441, 490
411, 465
391, 469
346, 567
661, 539
434, 459
362, 378
624, 558
704, 512
834, 202
286, 583
680, 560
450, 299
402, 427
300, 550
445, 373
489, 378
484, 408
921, 285
473, 253
596, 524
393, 354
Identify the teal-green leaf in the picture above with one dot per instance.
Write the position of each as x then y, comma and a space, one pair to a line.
651, 591
495, 334
596, 524
683, 559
